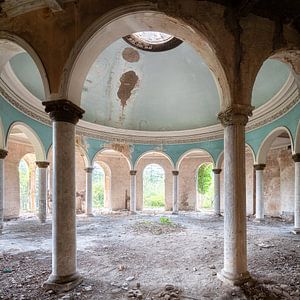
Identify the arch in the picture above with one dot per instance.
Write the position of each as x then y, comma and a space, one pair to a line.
267, 142
127, 20
84, 155
153, 152
105, 149
297, 139
33, 137
18, 45
185, 154
218, 164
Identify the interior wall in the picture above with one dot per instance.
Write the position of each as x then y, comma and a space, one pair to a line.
165, 164
279, 183
120, 180
11, 178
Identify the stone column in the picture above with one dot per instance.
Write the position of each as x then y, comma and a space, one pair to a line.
132, 191
64, 115
217, 192
42, 192
3, 154
296, 158
234, 120
89, 192
259, 184
175, 192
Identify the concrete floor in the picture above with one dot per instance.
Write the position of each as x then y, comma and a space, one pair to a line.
186, 253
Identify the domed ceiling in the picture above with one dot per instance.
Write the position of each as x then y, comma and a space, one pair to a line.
170, 90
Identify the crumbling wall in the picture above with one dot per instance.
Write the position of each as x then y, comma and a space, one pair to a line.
11, 178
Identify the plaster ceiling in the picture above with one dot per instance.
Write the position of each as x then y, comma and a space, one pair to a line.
152, 91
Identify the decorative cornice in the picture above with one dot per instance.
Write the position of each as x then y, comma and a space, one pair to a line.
259, 167
3, 153
175, 173
42, 164
279, 105
217, 171
89, 169
296, 157
63, 111
132, 172
236, 114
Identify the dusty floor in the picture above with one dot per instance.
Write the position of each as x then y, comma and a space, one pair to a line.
186, 253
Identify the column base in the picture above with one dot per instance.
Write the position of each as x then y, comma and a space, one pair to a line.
233, 279
174, 212
89, 215
133, 212
296, 231
217, 214
62, 283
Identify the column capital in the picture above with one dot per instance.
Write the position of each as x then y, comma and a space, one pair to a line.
237, 114
3, 153
175, 172
63, 111
89, 169
217, 171
42, 164
132, 172
296, 157
259, 167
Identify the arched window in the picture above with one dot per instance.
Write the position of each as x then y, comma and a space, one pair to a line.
205, 187
154, 187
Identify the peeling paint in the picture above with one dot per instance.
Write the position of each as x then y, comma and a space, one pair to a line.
125, 149
131, 55
128, 82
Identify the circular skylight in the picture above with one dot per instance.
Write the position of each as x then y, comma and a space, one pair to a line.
153, 37
152, 41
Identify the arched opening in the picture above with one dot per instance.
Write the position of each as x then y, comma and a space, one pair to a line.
98, 187
21, 179
28, 184
111, 182
205, 187
189, 165
101, 187
153, 187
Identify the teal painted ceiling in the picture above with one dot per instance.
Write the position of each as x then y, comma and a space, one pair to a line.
152, 91
27, 72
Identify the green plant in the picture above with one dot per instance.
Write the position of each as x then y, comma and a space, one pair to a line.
165, 220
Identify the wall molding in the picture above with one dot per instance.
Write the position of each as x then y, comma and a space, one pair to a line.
15, 93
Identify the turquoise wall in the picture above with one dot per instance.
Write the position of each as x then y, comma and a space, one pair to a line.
254, 138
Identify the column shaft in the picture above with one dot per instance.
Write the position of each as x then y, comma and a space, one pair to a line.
296, 230
64, 115
42, 193
259, 183
133, 191
89, 192
234, 120
3, 154
217, 192
175, 192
